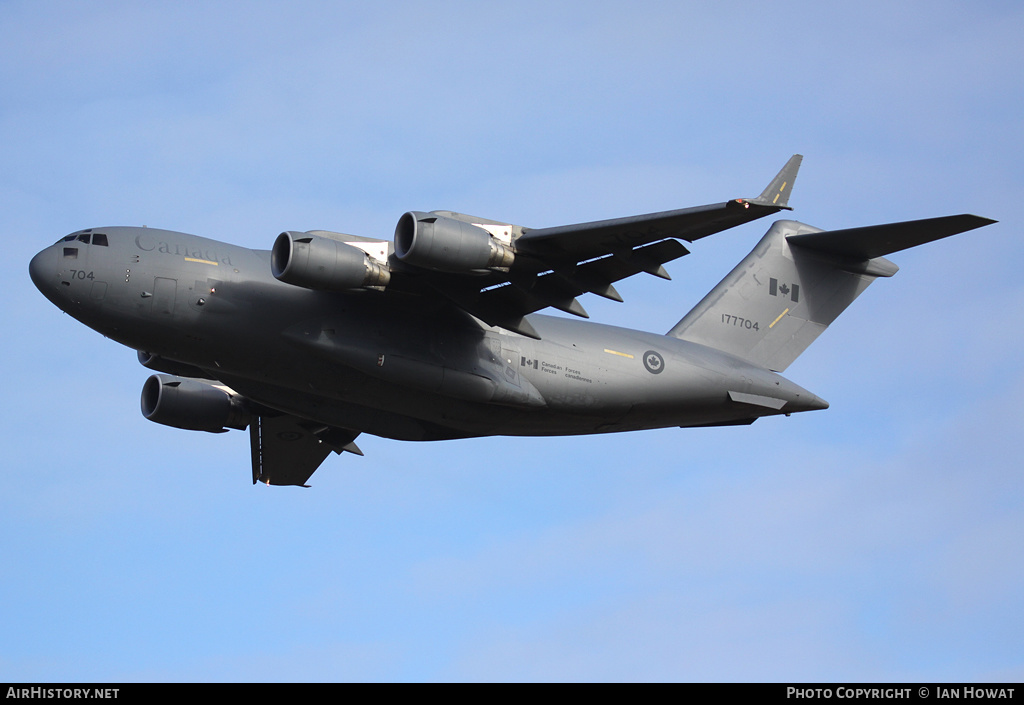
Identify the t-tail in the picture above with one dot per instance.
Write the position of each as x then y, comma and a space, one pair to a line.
797, 280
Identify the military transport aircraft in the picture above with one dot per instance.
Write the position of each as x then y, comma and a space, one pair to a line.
435, 335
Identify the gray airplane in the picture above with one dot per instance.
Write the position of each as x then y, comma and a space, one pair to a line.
435, 335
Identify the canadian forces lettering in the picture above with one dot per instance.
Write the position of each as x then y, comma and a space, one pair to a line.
553, 369
169, 248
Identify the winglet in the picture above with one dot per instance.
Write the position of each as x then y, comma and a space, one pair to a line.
777, 193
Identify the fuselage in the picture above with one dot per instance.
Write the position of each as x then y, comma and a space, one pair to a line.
393, 364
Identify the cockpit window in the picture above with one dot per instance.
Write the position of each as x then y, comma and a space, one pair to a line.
85, 236
71, 252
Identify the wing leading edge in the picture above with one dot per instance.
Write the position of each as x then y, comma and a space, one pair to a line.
587, 240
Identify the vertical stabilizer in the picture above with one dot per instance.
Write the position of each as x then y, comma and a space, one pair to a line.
796, 281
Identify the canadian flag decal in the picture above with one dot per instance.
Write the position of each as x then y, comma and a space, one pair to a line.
790, 290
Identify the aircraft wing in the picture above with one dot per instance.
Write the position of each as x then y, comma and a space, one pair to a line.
587, 240
553, 266
287, 450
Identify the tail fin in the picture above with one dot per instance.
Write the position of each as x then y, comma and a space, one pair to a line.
796, 281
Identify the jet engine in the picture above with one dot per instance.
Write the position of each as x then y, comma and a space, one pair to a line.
315, 262
447, 245
192, 405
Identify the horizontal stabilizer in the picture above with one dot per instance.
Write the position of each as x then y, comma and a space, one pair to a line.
794, 284
880, 240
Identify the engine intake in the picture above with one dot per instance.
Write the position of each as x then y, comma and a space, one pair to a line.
315, 262
447, 245
192, 405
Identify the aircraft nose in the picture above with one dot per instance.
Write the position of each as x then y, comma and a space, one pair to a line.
40, 268
43, 270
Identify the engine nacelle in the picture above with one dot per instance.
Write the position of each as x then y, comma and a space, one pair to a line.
447, 245
191, 405
315, 262
162, 364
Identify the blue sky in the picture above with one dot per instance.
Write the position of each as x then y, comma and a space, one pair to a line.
879, 540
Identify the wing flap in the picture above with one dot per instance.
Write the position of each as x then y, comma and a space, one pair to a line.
559, 288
